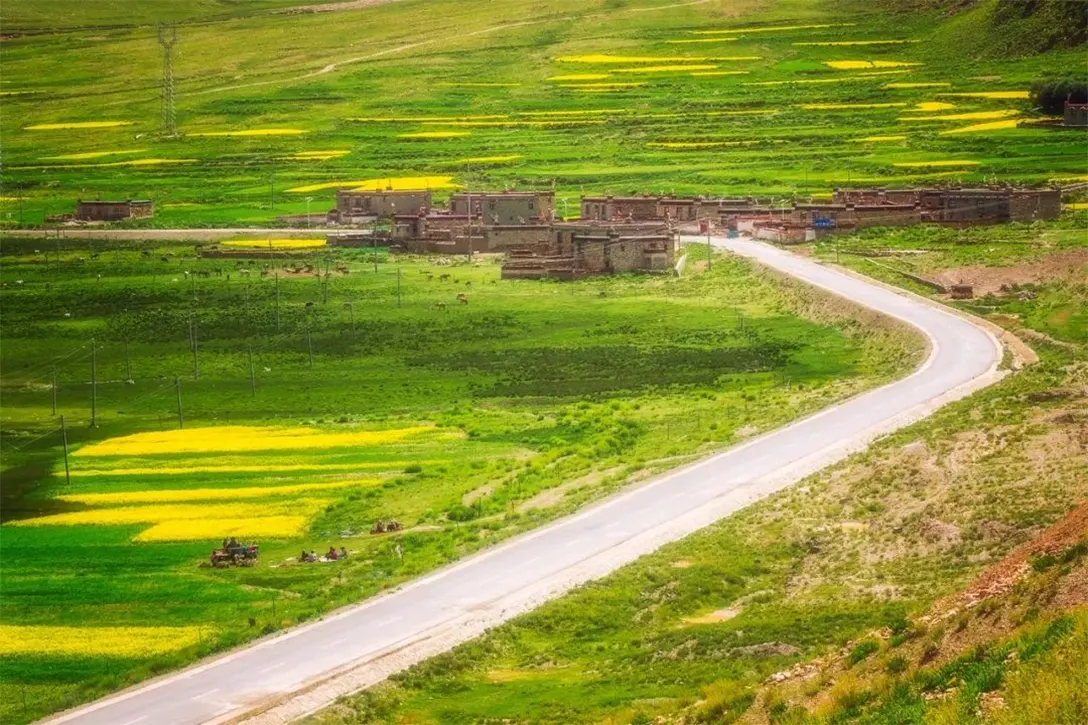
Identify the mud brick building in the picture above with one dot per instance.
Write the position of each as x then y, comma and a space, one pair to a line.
608, 208
956, 206
505, 207
112, 211
353, 207
1075, 115
578, 249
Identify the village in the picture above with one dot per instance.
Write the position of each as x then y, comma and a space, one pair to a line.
617, 234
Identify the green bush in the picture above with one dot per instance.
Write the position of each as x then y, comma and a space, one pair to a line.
1050, 96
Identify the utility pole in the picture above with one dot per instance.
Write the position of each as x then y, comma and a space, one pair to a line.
190, 332
277, 300
252, 379
128, 364
325, 285
55, 391
177, 386
64, 439
398, 287
309, 343
709, 249
196, 346
168, 36
94, 386
351, 310
374, 247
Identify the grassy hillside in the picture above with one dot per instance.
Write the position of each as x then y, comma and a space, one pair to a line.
468, 423
602, 96
690, 633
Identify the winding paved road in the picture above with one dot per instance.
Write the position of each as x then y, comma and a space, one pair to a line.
458, 602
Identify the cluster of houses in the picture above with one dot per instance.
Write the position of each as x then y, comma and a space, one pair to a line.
615, 234
638, 233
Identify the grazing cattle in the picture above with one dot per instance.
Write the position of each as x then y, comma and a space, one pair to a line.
462, 298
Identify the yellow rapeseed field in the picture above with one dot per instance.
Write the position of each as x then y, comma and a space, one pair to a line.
666, 68
844, 106
316, 155
254, 132
422, 119
595, 87
858, 42
916, 85
436, 134
395, 183
687, 41
920, 164
934, 106
156, 514
1077, 206
867, 64
878, 139
76, 125
274, 243
316, 468
271, 527
535, 123
211, 494
133, 162
238, 438
579, 77
973, 116
91, 155
44, 641
774, 28
978, 127
721, 73
584, 112
1007, 95
696, 144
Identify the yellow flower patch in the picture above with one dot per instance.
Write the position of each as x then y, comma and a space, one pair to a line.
127, 515
210, 494
979, 127
318, 155
586, 112
394, 183
599, 87
126, 642
973, 116
579, 77
544, 123
859, 42
666, 68
436, 134
91, 155
274, 243
688, 41
80, 124
133, 162
867, 64
721, 73
1077, 206
238, 438
934, 106
696, 144
422, 119
774, 28
878, 139
316, 468
845, 106
254, 132
1006, 95
920, 164
916, 85
261, 527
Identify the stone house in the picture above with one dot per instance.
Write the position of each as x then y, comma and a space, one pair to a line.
1075, 115
112, 211
505, 207
583, 248
356, 206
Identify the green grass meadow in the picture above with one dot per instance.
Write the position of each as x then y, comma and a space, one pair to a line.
483, 71
528, 386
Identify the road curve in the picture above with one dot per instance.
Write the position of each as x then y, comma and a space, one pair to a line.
368, 641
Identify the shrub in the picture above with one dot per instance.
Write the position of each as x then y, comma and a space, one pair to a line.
1050, 96
896, 665
862, 650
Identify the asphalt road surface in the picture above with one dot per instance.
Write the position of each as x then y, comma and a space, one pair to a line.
221, 688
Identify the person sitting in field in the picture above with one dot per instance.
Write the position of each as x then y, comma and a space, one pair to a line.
343, 553
331, 555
